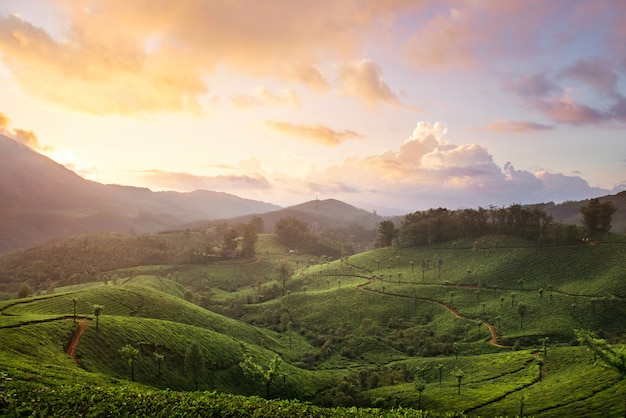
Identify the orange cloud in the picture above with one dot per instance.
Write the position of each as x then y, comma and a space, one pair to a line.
363, 79
27, 138
318, 133
262, 97
133, 57
4, 122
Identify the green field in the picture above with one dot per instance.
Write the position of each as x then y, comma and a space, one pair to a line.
353, 332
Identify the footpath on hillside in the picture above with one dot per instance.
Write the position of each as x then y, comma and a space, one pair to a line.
71, 348
492, 331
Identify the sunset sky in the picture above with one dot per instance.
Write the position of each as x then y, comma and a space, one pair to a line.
395, 104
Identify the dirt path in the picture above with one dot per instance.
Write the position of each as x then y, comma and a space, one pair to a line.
492, 331
71, 349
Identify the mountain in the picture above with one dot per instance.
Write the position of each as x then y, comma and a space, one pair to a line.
318, 214
41, 199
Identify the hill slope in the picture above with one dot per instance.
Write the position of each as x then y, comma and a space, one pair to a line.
40, 199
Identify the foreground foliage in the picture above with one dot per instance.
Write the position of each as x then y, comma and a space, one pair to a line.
126, 401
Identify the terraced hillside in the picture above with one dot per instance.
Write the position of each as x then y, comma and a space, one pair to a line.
488, 330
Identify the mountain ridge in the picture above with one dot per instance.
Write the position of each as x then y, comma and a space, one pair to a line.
41, 199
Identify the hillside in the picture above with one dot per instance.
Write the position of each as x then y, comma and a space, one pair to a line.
317, 214
40, 199
569, 212
357, 331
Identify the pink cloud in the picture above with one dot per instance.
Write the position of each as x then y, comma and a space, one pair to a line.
532, 86
595, 72
441, 174
185, 181
565, 110
516, 127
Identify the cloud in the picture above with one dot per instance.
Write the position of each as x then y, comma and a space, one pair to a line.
162, 58
185, 181
594, 71
475, 34
531, 86
427, 171
363, 79
261, 97
541, 93
564, 109
27, 138
4, 122
317, 133
509, 126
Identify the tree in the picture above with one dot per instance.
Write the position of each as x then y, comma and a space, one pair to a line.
97, 310
607, 356
194, 363
459, 374
250, 236
597, 216
24, 291
38, 266
256, 371
539, 361
386, 234
229, 242
440, 371
420, 385
130, 353
522, 310
284, 272
607, 209
259, 224
544, 345
291, 232
74, 301
160, 358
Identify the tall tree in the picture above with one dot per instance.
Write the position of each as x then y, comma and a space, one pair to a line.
159, 358
419, 385
386, 234
291, 232
130, 353
597, 216
97, 310
459, 374
24, 291
255, 370
74, 301
522, 310
284, 271
194, 363
606, 355
250, 236
229, 242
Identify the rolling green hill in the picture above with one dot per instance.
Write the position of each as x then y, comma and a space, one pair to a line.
356, 331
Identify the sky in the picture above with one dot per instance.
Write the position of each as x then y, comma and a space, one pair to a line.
389, 105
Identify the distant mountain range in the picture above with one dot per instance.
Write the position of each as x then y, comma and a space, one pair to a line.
41, 199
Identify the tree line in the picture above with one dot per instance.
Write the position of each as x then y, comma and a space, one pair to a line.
531, 223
